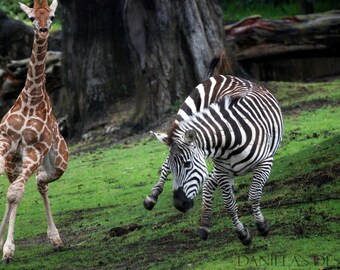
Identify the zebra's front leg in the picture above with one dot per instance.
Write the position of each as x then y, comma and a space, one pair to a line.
209, 187
231, 206
261, 175
151, 200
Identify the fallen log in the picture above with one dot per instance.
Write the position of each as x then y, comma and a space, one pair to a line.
304, 41
258, 37
13, 77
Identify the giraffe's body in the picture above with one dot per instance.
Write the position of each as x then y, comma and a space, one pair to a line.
30, 141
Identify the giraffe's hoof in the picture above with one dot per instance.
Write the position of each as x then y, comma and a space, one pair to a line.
203, 233
58, 246
8, 252
6, 259
263, 228
150, 202
245, 237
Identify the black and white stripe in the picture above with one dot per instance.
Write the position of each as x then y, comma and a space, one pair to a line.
239, 125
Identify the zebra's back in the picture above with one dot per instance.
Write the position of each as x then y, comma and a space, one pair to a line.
254, 126
211, 91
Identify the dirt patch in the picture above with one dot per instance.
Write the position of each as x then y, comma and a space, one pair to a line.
318, 177
71, 240
170, 221
308, 222
272, 185
242, 197
74, 239
140, 184
78, 215
40, 239
308, 106
173, 245
120, 231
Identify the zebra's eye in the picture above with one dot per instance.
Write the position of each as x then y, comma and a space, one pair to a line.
187, 164
32, 19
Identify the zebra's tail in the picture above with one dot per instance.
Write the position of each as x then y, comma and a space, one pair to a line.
218, 65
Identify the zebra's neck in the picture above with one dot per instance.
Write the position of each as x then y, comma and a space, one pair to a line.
213, 136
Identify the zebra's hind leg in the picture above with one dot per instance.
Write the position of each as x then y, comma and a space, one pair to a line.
151, 200
209, 188
231, 206
261, 175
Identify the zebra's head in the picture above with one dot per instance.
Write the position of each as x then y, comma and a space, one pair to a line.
187, 165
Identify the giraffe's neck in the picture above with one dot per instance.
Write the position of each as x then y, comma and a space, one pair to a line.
34, 90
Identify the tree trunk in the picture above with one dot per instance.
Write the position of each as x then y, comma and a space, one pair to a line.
150, 53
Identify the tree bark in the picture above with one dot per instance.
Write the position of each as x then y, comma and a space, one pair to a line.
151, 53
16, 38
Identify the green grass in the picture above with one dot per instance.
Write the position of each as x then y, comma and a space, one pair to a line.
104, 190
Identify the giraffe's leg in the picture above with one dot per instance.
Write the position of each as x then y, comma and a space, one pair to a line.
52, 231
13, 168
9, 247
5, 145
53, 167
261, 175
231, 206
14, 195
3, 225
32, 158
151, 199
209, 187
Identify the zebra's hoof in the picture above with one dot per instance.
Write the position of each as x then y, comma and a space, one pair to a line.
203, 233
263, 228
245, 237
150, 202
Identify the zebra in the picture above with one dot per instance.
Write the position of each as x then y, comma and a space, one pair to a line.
236, 123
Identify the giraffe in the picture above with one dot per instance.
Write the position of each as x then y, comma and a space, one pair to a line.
30, 141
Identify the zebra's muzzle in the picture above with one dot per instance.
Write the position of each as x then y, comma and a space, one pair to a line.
181, 202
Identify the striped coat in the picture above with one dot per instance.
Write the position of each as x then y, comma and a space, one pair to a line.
230, 125
239, 125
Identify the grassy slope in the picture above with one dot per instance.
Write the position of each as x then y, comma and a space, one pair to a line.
98, 204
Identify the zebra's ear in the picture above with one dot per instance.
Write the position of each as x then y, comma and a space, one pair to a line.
163, 138
189, 136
